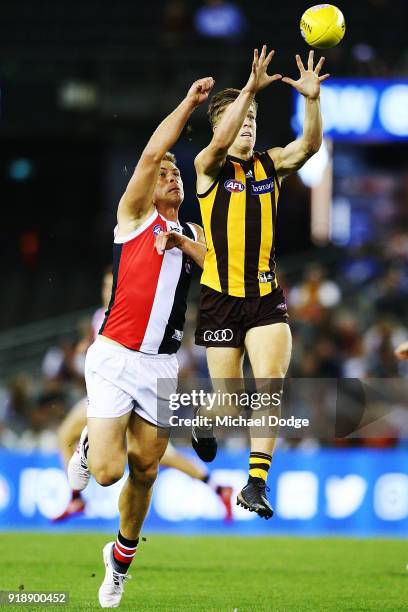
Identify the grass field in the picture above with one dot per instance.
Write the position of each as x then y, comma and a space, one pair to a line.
215, 573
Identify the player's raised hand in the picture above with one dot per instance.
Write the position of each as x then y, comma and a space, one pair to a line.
259, 78
200, 90
309, 81
168, 240
402, 351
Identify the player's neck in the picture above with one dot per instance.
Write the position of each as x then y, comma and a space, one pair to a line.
240, 153
168, 212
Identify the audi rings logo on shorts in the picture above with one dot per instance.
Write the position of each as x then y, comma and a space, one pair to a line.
218, 335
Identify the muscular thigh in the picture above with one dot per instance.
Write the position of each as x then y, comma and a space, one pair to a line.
107, 441
225, 362
269, 349
75, 420
146, 443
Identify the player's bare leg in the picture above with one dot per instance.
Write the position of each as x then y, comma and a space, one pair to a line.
269, 349
107, 455
70, 429
225, 367
69, 433
101, 452
172, 458
145, 449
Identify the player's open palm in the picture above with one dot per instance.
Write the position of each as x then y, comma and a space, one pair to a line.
200, 90
309, 82
260, 78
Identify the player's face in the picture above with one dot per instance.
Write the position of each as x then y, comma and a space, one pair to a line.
169, 187
247, 134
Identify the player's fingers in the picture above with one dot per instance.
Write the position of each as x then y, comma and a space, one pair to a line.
289, 81
161, 241
324, 77
255, 61
319, 65
268, 58
300, 64
275, 77
310, 60
206, 82
263, 53
158, 246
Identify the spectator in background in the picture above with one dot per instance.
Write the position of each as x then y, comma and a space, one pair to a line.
392, 294
219, 19
176, 25
59, 361
18, 402
309, 299
402, 351
380, 342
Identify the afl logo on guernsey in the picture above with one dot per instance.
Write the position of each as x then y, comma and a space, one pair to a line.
157, 229
234, 186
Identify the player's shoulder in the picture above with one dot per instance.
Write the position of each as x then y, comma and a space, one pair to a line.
273, 154
197, 231
198, 160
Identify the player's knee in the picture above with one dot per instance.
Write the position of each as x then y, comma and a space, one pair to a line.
106, 474
272, 374
143, 472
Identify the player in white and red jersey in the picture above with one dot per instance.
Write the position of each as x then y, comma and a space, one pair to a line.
136, 346
71, 427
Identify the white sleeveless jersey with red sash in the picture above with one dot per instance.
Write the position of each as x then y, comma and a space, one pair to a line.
148, 306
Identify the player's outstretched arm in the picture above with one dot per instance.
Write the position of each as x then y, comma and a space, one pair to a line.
292, 157
136, 202
212, 158
196, 249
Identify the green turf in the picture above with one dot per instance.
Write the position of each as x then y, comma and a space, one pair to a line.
216, 573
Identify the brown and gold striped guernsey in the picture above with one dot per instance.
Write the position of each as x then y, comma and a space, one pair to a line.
239, 219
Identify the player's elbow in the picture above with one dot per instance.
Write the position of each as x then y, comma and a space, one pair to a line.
312, 147
220, 145
153, 156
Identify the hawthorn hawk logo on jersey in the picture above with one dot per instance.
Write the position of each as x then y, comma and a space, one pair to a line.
234, 186
157, 229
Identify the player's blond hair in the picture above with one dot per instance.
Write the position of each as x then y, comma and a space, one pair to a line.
169, 156
220, 101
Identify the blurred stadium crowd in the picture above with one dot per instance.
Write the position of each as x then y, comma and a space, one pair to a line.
347, 319
82, 71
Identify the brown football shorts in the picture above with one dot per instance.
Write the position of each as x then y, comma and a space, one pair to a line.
223, 320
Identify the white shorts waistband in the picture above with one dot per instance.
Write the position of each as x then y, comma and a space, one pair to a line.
119, 348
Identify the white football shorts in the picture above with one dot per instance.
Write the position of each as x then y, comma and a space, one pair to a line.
119, 380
